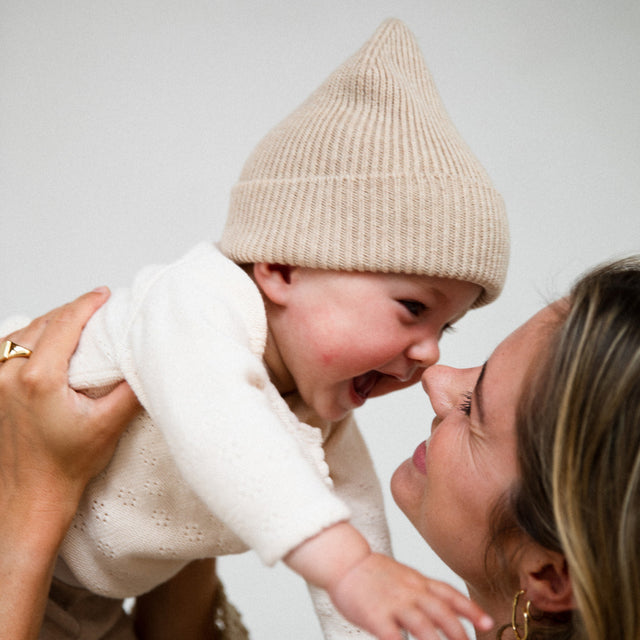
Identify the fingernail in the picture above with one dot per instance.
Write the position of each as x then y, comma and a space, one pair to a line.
101, 290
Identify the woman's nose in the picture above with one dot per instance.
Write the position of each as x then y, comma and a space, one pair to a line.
437, 381
446, 386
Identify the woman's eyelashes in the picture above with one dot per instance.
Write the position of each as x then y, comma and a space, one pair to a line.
414, 307
465, 405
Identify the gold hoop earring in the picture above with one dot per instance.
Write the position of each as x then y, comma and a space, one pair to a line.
525, 615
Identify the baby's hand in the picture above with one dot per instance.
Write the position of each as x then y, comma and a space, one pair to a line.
379, 594
385, 597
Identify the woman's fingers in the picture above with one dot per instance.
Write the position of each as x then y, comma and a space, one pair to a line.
115, 410
52, 339
54, 336
67, 433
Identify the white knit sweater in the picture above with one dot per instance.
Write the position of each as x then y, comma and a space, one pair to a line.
218, 462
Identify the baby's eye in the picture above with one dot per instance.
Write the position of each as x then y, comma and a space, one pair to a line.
414, 307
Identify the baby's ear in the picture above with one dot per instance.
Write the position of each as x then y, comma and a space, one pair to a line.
274, 280
544, 576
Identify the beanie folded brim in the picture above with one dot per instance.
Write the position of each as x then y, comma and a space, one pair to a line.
358, 224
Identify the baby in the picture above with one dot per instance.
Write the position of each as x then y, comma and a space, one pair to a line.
360, 229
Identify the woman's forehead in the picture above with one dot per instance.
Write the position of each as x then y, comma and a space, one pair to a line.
534, 333
506, 371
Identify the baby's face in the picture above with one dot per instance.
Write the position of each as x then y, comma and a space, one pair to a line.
346, 336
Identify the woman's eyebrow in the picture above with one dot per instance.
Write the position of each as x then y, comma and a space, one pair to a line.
478, 393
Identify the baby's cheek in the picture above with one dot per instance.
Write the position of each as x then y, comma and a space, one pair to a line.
327, 358
336, 354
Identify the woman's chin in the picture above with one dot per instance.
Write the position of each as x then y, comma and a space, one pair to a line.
407, 485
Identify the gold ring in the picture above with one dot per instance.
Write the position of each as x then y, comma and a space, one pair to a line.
9, 349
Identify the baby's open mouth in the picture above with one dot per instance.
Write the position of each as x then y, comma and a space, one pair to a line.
363, 385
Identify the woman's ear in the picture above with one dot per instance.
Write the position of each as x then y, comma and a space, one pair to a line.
274, 280
544, 575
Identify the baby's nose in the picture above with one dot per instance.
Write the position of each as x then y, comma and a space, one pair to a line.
426, 352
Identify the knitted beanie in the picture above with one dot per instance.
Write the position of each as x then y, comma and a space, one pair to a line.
369, 174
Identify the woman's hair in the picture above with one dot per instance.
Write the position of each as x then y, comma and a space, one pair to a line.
579, 453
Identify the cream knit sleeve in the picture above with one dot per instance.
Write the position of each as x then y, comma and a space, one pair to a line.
193, 356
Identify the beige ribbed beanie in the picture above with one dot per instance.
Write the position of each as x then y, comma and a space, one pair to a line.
369, 174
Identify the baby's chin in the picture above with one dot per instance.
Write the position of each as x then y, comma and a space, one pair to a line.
332, 411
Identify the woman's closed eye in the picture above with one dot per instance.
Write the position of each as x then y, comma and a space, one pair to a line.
414, 307
465, 405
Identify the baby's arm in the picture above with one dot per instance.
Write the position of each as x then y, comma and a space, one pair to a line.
194, 359
379, 594
356, 483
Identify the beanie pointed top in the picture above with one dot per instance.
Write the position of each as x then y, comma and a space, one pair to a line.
370, 174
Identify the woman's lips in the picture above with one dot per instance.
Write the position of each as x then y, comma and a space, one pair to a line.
420, 458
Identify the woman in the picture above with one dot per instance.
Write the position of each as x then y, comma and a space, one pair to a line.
507, 491
549, 509
579, 453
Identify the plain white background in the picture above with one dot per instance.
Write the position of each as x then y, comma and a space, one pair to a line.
123, 125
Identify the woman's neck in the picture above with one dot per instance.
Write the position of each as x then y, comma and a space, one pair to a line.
498, 607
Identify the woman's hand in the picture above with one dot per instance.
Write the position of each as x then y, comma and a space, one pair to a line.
52, 442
